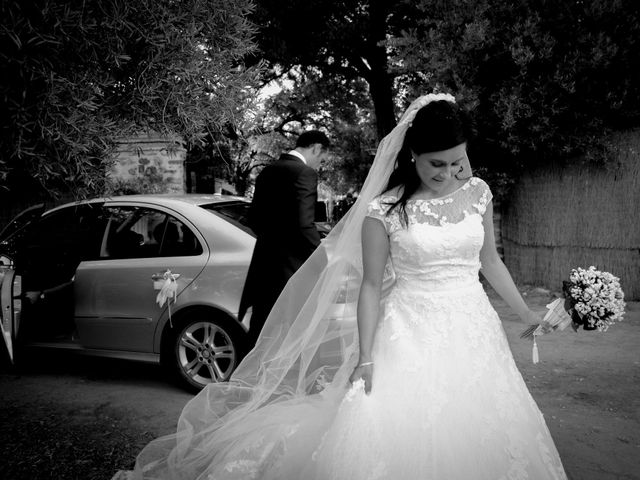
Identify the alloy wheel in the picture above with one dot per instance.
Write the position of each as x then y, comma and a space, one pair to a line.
205, 353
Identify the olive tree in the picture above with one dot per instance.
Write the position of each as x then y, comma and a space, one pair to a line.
78, 75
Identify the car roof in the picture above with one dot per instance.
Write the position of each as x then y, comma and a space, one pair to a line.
187, 204
166, 199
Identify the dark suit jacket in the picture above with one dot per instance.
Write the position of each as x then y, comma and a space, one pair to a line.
282, 215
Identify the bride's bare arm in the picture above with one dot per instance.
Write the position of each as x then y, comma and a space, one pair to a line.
496, 273
375, 250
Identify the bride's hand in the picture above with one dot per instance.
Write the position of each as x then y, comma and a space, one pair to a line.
364, 372
531, 318
534, 320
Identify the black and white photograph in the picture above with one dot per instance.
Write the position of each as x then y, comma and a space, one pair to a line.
320, 240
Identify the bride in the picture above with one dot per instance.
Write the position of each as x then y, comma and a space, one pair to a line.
383, 358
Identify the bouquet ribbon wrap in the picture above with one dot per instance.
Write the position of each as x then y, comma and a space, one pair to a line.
556, 317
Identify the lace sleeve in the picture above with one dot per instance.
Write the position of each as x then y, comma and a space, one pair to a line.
482, 194
376, 210
379, 208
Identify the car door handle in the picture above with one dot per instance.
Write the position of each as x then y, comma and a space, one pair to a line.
161, 278
165, 275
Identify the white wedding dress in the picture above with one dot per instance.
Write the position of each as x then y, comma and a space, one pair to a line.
447, 403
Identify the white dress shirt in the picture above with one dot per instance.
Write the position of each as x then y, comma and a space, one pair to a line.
295, 153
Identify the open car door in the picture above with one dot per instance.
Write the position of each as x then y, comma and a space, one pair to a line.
10, 304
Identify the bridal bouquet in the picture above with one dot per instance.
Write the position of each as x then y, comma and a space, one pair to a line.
592, 299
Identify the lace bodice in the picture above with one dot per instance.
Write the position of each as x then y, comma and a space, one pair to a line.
439, 249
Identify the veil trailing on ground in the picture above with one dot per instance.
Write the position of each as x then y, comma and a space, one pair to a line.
300, 365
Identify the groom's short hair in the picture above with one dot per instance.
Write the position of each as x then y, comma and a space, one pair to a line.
311, 137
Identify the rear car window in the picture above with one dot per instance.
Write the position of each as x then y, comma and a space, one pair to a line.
234, 212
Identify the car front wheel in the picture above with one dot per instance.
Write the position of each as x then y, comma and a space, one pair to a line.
205, 351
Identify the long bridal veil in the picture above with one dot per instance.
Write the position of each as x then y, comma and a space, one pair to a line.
298, 371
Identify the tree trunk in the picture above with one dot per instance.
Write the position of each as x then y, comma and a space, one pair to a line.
380, 82
382, 96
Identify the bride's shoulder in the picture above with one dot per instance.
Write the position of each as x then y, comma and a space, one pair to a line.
479, 193
476, 181
476, 184
381, 204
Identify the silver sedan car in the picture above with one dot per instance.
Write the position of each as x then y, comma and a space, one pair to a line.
155, 278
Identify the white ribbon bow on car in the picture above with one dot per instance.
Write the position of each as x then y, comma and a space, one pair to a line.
168, 290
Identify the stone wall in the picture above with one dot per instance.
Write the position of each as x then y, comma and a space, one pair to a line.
153, 162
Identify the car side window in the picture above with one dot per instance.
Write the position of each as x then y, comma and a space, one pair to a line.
137, 232
177, 240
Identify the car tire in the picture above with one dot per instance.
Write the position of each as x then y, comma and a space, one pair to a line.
203, 348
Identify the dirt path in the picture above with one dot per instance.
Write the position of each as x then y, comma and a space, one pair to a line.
71, 417
587, 385
66, 417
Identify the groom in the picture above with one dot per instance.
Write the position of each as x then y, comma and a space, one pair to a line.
282, 216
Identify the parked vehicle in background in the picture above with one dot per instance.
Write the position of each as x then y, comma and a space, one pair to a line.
81, 277
85, 276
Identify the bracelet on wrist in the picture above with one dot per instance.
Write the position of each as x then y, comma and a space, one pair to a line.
364, 364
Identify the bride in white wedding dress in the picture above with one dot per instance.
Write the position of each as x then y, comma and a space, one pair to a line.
423, 386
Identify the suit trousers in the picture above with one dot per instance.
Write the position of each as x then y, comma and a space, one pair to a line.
261, 308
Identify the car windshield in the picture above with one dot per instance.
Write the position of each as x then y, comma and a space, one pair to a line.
235, 212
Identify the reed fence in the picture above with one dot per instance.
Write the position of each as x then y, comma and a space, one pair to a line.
576, 215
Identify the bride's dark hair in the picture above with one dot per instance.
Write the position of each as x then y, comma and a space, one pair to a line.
439, 125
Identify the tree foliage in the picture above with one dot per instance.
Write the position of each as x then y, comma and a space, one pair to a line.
307, 100
548, 79
343, 39
78, 75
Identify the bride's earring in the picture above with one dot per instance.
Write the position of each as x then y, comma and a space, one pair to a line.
413, 160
